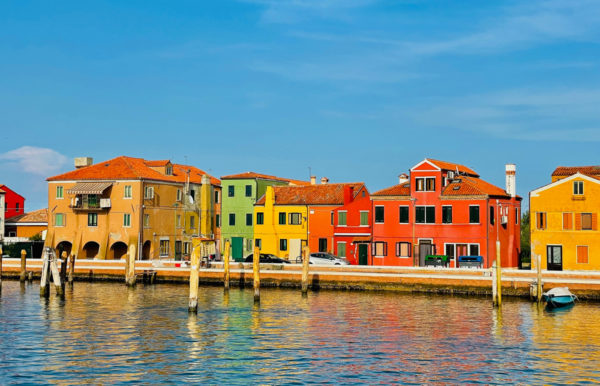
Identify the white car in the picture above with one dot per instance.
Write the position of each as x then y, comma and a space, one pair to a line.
324, 258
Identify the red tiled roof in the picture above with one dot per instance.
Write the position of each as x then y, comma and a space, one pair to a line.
452, 166
470, 186
251, 175
129, 168
570, 170
40, 216
328, 194
396, 190
162, 162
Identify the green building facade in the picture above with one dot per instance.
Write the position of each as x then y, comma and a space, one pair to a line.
239, 194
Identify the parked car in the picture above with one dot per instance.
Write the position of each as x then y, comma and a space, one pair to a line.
266, 258
324, 258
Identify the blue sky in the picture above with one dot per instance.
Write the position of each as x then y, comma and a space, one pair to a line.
357, 90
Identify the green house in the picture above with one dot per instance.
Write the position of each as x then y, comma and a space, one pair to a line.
240, 192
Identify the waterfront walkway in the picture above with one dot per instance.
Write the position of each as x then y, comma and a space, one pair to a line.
471, 281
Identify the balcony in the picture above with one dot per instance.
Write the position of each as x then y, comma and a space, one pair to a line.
90, 202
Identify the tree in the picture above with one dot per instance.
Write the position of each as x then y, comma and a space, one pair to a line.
525, 238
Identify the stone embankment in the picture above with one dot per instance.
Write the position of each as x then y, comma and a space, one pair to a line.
468, 281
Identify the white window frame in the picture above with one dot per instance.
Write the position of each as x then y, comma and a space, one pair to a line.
127, 192
149, 192
375, 214
360, 218
338, 248
578, 188
63, 219
451, 215
475, 223
60, 189
179, 195
404, 206
424, 223
126, 220
345, 212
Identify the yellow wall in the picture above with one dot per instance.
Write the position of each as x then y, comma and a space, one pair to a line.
554, 200
30, 230
270, 233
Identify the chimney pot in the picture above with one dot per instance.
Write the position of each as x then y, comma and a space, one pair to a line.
313, 180
511, 179
324, 180
81, 162
403, 178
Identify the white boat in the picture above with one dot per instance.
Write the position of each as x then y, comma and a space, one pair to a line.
559, 297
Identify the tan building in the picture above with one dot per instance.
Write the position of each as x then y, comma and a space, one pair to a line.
98, 211
28, 225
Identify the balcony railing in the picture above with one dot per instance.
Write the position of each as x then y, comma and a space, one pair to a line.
90, 202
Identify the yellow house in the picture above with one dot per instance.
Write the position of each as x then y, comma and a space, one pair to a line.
100, 211
564, 220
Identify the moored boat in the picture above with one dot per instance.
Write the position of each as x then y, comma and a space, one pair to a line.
559, 297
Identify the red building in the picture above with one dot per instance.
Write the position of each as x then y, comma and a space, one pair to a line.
14, 203
443, 208
352, 225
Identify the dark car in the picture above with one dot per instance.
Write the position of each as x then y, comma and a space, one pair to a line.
266, 258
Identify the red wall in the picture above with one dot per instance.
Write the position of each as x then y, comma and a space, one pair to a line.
319, 226
11, 200
354, 204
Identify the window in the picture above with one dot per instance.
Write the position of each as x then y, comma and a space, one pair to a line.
281, 218
586, 221
578, 187
342, 218
331, 217
169, 170
567, 221
403, 249
179, 195
59, 219
249, 244
126, 220
92, 201
146, 221
260, 218
92, 219
379, 214
492, 211
403, 215
364, 218
231, 219
248, 219
450, 251
193, 195
231, 190
192, 222
59, 192
149, 192
218, 220
341, 249
425, 184
517, 216
127, 191
283, 244
186, 248
447, 214
164, 248
379, 248
540, 220
178, 221
17, 206
258, 243
323, 245
248, 190
425, 214
217, 197
474, 250
473, 214
295, 219
582, 254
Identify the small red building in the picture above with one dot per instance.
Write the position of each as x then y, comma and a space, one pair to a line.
14, 203
443, 208
352, 225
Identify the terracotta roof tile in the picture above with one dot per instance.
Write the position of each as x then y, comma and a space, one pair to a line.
162, 162
129, 168
328, 194
40, 216
396, 190
570, 170
470, 186
452, 166
251, 175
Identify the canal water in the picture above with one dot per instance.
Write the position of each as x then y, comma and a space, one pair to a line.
104, 333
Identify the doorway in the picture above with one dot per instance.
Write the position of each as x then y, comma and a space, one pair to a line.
363, 254
237, 248
554, 253
425, 248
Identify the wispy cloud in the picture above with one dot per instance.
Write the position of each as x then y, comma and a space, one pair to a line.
35, 160
294, 11
536, 115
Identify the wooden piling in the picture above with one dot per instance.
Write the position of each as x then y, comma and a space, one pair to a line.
63, 269
305, 265
538, 264
56, 275
130, 267
71, 268
256, 273
193, 303
498, 275
23, 276
0, 269
226, 255
494, 284
45, 272
30, 276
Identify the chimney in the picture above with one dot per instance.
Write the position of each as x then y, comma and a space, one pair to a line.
403, 178
313, 180
81, 162
348, 194
511, 179
324, 180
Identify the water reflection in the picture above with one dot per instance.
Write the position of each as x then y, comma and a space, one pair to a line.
106, 333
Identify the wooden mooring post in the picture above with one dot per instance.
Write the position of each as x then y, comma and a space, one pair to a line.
256, 273
130, 267
539, 288
226, 255
23, 275
50, 268
498, 276
71, 268
305, 265
194, 280
0, 269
